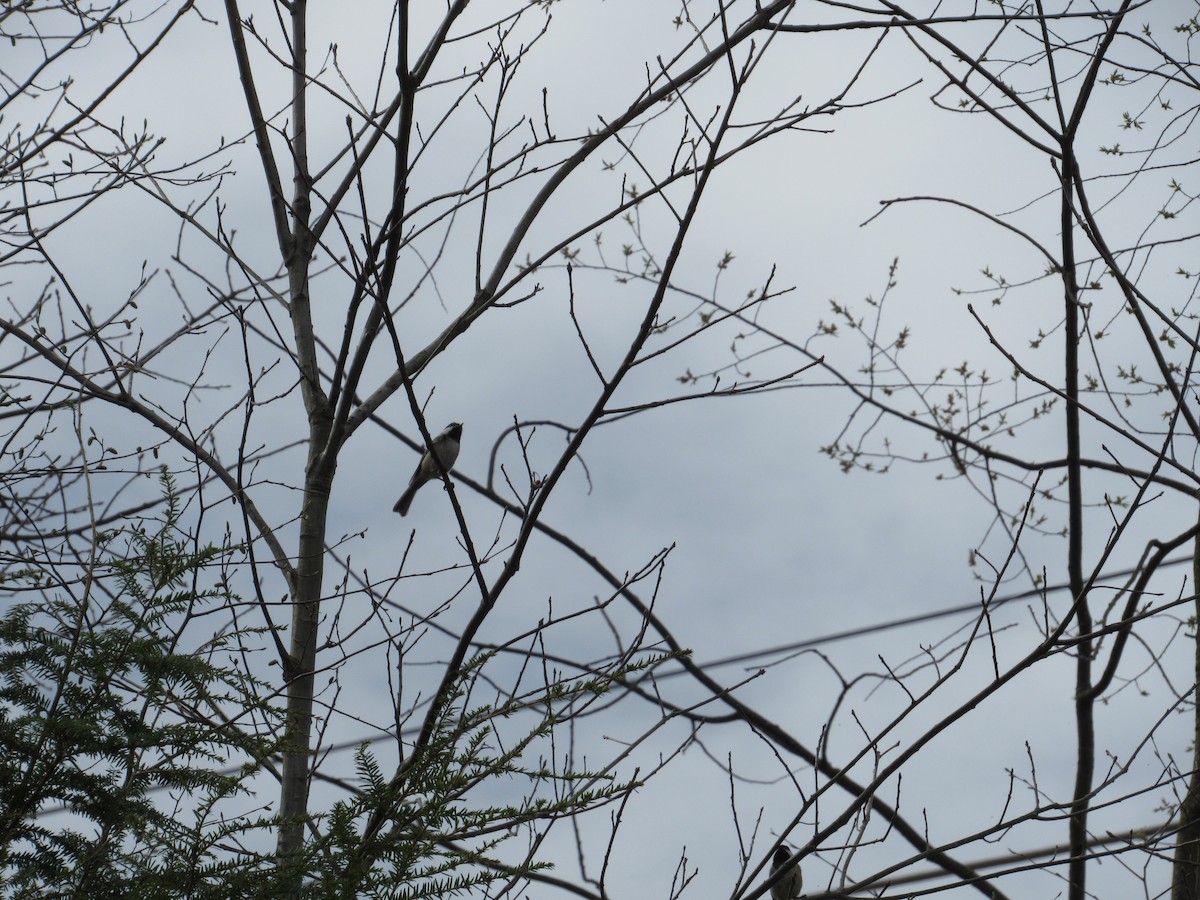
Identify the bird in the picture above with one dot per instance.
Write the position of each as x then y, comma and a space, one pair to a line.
787, 887
446, 446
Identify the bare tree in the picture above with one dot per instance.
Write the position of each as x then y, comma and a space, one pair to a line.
441, 190
363, 225
1063, 88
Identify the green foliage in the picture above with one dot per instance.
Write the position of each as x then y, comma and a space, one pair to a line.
113, 736
436, 842
124, 742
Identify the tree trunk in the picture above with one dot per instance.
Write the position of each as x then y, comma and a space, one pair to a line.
306, 607
1185, 881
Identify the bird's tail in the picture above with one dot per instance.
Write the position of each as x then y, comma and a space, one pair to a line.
406, 499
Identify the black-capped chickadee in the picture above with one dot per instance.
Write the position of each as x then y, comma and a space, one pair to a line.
445, 445
787, 887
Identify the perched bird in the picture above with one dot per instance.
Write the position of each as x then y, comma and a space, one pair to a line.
788, 887
445, 445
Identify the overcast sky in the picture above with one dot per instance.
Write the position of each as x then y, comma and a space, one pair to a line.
771, 543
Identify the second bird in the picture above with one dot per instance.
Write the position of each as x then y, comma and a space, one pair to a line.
445, 445
788, 887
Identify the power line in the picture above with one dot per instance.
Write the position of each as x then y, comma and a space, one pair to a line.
1055, 854
779, 650
864, 630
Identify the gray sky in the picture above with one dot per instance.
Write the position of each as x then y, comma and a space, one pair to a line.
772, 543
